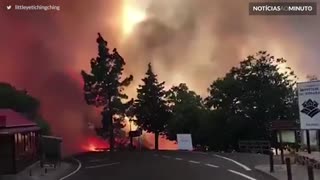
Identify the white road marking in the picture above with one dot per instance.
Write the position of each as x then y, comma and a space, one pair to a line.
240, 174
166, 157
195, 162
98, 160
102, 165
236, 162
179, 159
75, 171
211, 165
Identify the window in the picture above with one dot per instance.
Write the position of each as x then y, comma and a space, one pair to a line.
25, 145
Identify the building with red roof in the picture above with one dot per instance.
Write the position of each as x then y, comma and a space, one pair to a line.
19, 142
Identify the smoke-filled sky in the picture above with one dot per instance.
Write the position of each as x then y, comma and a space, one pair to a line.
192, 41
196, 41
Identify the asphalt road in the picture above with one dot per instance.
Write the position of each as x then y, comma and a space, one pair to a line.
168, 165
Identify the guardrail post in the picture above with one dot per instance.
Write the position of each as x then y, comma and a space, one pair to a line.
289, 172
271, 162
310, 172
308, 142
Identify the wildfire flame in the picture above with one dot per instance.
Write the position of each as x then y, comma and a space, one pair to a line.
95, 144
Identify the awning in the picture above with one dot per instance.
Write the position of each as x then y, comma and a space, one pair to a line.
284, 125
19, 130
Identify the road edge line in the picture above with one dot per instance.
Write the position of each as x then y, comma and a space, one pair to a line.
73, 172
234, 161
194, 162
211, 165
101, 165
196, 152
98, 160
241, 174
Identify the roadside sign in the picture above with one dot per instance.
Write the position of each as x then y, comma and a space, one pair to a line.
287, 136
309, 100
184, 142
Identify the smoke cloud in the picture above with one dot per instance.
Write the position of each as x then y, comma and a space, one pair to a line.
192, 41
197, 41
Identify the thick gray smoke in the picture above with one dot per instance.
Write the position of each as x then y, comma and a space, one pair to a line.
195, 41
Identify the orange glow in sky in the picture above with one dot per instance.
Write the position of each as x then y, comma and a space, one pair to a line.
132, 15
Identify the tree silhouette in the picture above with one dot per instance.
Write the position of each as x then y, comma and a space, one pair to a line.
187, 112
151, 108
103, 86
252, 95
22, 102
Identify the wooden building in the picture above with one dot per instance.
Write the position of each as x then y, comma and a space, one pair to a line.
19, 142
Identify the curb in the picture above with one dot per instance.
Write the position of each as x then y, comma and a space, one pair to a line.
266, 174
69, 170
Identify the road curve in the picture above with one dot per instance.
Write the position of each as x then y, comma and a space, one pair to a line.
168, 165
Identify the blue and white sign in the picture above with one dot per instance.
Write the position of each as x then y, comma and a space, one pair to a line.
309, 104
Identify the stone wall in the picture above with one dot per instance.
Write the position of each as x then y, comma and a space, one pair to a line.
304, 160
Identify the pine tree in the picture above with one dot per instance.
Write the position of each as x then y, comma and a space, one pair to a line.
151, 108
103, 86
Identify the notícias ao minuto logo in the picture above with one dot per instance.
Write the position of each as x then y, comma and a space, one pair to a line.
310, 108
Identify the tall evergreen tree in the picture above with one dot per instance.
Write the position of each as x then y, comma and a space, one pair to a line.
104, 85
151, 107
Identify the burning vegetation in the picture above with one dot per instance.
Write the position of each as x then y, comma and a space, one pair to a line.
95, 144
